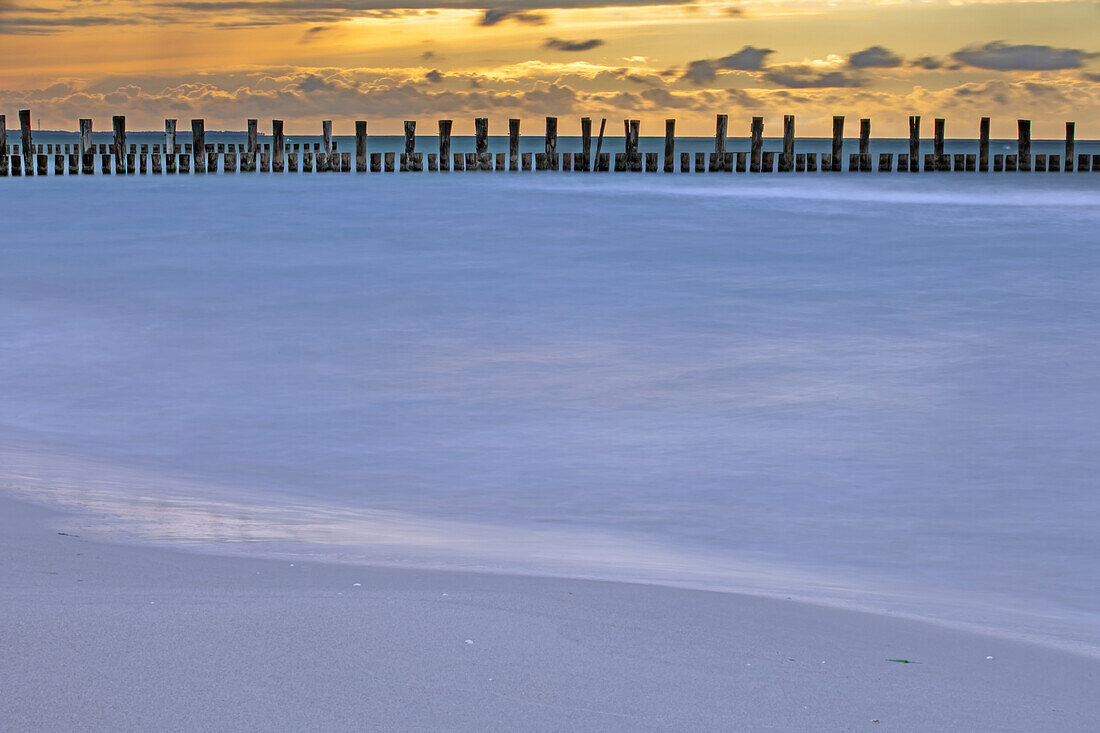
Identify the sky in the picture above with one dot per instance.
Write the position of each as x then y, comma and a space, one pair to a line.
390, 60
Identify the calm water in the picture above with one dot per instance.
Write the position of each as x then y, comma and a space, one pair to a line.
878, 391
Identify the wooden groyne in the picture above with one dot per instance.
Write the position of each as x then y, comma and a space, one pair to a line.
198, 156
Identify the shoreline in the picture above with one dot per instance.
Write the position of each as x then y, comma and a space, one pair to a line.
106, 635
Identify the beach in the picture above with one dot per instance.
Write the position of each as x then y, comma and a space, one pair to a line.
109, 637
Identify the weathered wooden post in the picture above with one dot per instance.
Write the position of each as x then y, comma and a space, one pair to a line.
885, 162
513, 144
786, 161
278, 144
914, 144
481, 143
325, 162
1069, 146
756, 146
940, 161
360, 146
838, 143
983, 145
248, 162
865, 145
583, 162
598, 166
670, 145
552, 143
406, 161
26, 143
501, 162
631, 157
119, 125
170, 151
3, 145
198, 145
1023, 160
444, 145
85, 148
718, 160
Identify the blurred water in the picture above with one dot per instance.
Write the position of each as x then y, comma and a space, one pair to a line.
876, 390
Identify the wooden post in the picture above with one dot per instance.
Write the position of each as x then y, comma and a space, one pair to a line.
838, 143
885, 162
700, 162
410, 137
939, 160
502, 163
1023, 161
360, 146
3, 145
481, 143
865, 145
26, 143
85, 137
670, 145
599, 140
914, 144
326, 138
685, 162
525, 161
513, 144
585, 162
198, 145
119, 125
388, 158
983, 145
632, 160
786, 161
756, 147
253, 134
278, 144
1069, 146
552, 143
720, 127
444, 145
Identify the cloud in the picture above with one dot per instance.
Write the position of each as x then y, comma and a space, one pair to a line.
798, 76
704, 71
926, 62
37, 25
699, 72
749, 58
1000, 56
559, 45
493, 16
427, 55
874, 57
311, 34
435, 76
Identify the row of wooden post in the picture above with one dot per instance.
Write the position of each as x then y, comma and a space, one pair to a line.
276, 158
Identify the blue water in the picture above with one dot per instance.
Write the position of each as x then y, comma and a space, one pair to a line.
878, 390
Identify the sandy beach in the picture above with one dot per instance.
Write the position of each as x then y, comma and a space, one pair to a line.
99, 636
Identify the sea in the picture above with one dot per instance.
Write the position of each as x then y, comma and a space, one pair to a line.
873, 391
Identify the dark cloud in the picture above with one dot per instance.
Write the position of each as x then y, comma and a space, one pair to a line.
699, 72
311, 34
734, 11
1092, 77
749, 58
926, 62
434, 76
797, 76
704, 71
1001, 56
559, 45
874, 57
494, 16
427, 55
37, 25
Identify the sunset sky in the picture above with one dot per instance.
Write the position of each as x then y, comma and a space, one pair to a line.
388, 60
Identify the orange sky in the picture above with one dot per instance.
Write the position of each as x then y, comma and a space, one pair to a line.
387, 60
